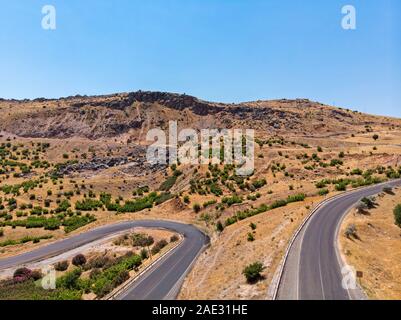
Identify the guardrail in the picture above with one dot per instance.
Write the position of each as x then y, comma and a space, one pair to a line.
120, 289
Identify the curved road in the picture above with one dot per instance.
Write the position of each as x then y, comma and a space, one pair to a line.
162, 281
312, 270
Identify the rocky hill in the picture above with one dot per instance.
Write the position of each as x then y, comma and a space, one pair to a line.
112, 115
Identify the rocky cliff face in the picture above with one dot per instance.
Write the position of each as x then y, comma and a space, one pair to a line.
112, 115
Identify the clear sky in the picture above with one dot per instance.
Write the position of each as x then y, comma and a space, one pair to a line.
219, 50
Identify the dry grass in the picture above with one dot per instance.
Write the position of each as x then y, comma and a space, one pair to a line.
377, 252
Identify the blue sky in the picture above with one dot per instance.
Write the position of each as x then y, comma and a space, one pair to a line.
219, 50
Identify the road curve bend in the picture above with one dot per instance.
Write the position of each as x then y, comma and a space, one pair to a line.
161, 281
312, 269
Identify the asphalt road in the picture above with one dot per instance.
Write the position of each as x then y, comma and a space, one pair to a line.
313, 268
162, 281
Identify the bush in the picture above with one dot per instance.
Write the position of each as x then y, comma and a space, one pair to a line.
121, 278
342, 186
158, 246
22, 274
79, 260
357, 172
375, 137
296, 198
69, 280
144, 254
196, 207
370, 202
1, 232
219, 226
388, 190
174, 238
397, 215
323, 192
61, 265
75, 222
350, 231
251, 237
98, 262
36, 275
252, 272
232, 200
142, 240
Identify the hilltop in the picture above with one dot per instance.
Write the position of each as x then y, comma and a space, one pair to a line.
113, 115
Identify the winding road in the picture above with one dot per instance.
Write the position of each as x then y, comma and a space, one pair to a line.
312, 270
161, 281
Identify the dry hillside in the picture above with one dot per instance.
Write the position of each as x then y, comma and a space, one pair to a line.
73, 163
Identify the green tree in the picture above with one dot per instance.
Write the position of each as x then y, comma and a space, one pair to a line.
219, 226
253, 271
196, 207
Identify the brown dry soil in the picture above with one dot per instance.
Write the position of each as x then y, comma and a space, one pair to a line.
297, 141
377, 252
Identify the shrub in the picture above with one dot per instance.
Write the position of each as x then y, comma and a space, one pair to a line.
69, 280
357, 171
251, 237
98, 262
76, 222
323, 192
121, 278
219, 226
388, 190
257, 184
252, 272
158, 246
1, 232
142, 240
369, 201
253, 226
144, 254
350, 231
296, 198
61, 265
232, 200
321, 184
361, 207
375, 137
342, 186
186, 199
209, 203
336, 162
174, 238
277, 204
22, 274
36, 275
169, 182
397, 215
196, 207
88, 205
79, 260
